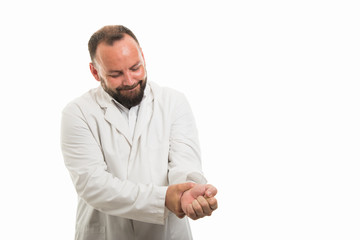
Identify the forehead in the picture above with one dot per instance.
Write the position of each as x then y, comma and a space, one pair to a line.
121, 52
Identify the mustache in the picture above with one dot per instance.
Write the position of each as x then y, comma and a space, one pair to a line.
128, 87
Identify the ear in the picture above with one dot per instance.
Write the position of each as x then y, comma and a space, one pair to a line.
94, 72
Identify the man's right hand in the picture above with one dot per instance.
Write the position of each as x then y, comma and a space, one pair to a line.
173, 196
199, 201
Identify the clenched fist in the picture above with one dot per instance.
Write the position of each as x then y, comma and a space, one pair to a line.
199, 201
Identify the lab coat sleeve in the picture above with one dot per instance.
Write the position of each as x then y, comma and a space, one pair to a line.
184, 154
99, 188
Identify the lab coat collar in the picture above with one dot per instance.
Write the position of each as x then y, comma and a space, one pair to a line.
115, 118
104, 99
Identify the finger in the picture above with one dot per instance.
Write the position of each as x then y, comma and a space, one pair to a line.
204, 205
180, 215
198, 209
213, 203
211, 191
190, 212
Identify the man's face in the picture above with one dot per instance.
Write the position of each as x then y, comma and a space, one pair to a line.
121, 70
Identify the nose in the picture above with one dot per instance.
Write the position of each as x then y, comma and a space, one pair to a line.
128, 80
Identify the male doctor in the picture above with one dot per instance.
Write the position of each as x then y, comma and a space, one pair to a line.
132, 150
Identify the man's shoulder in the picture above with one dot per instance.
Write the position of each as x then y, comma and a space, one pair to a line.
162, 93
86, 101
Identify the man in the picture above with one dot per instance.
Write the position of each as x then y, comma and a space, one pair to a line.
132, 150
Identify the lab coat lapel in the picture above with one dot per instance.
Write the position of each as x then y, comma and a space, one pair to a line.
114, 117
144, 115
112, 114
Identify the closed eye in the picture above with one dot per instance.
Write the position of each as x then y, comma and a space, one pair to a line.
135, 67
117, 74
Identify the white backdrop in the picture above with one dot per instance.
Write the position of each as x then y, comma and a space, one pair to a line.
274, 86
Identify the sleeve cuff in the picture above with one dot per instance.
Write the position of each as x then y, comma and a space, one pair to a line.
196, 177
162, 212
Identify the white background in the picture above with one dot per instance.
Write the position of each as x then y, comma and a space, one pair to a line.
274, 86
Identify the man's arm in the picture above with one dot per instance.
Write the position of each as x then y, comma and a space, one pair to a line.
185, 162
184, 149
99, 188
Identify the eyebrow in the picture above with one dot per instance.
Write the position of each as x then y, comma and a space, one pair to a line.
114, 71
118, 71
136, 64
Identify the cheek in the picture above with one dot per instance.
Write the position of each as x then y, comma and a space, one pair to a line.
111, 83
139, 74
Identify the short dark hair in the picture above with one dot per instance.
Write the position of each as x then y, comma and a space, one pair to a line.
108, 34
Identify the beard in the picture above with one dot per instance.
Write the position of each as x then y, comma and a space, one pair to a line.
125, 98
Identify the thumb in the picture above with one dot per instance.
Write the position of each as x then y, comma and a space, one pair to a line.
211, 191
185, 186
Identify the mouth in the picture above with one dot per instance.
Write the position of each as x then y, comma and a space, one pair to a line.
129, 88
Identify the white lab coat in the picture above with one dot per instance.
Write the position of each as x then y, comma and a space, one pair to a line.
122, 182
